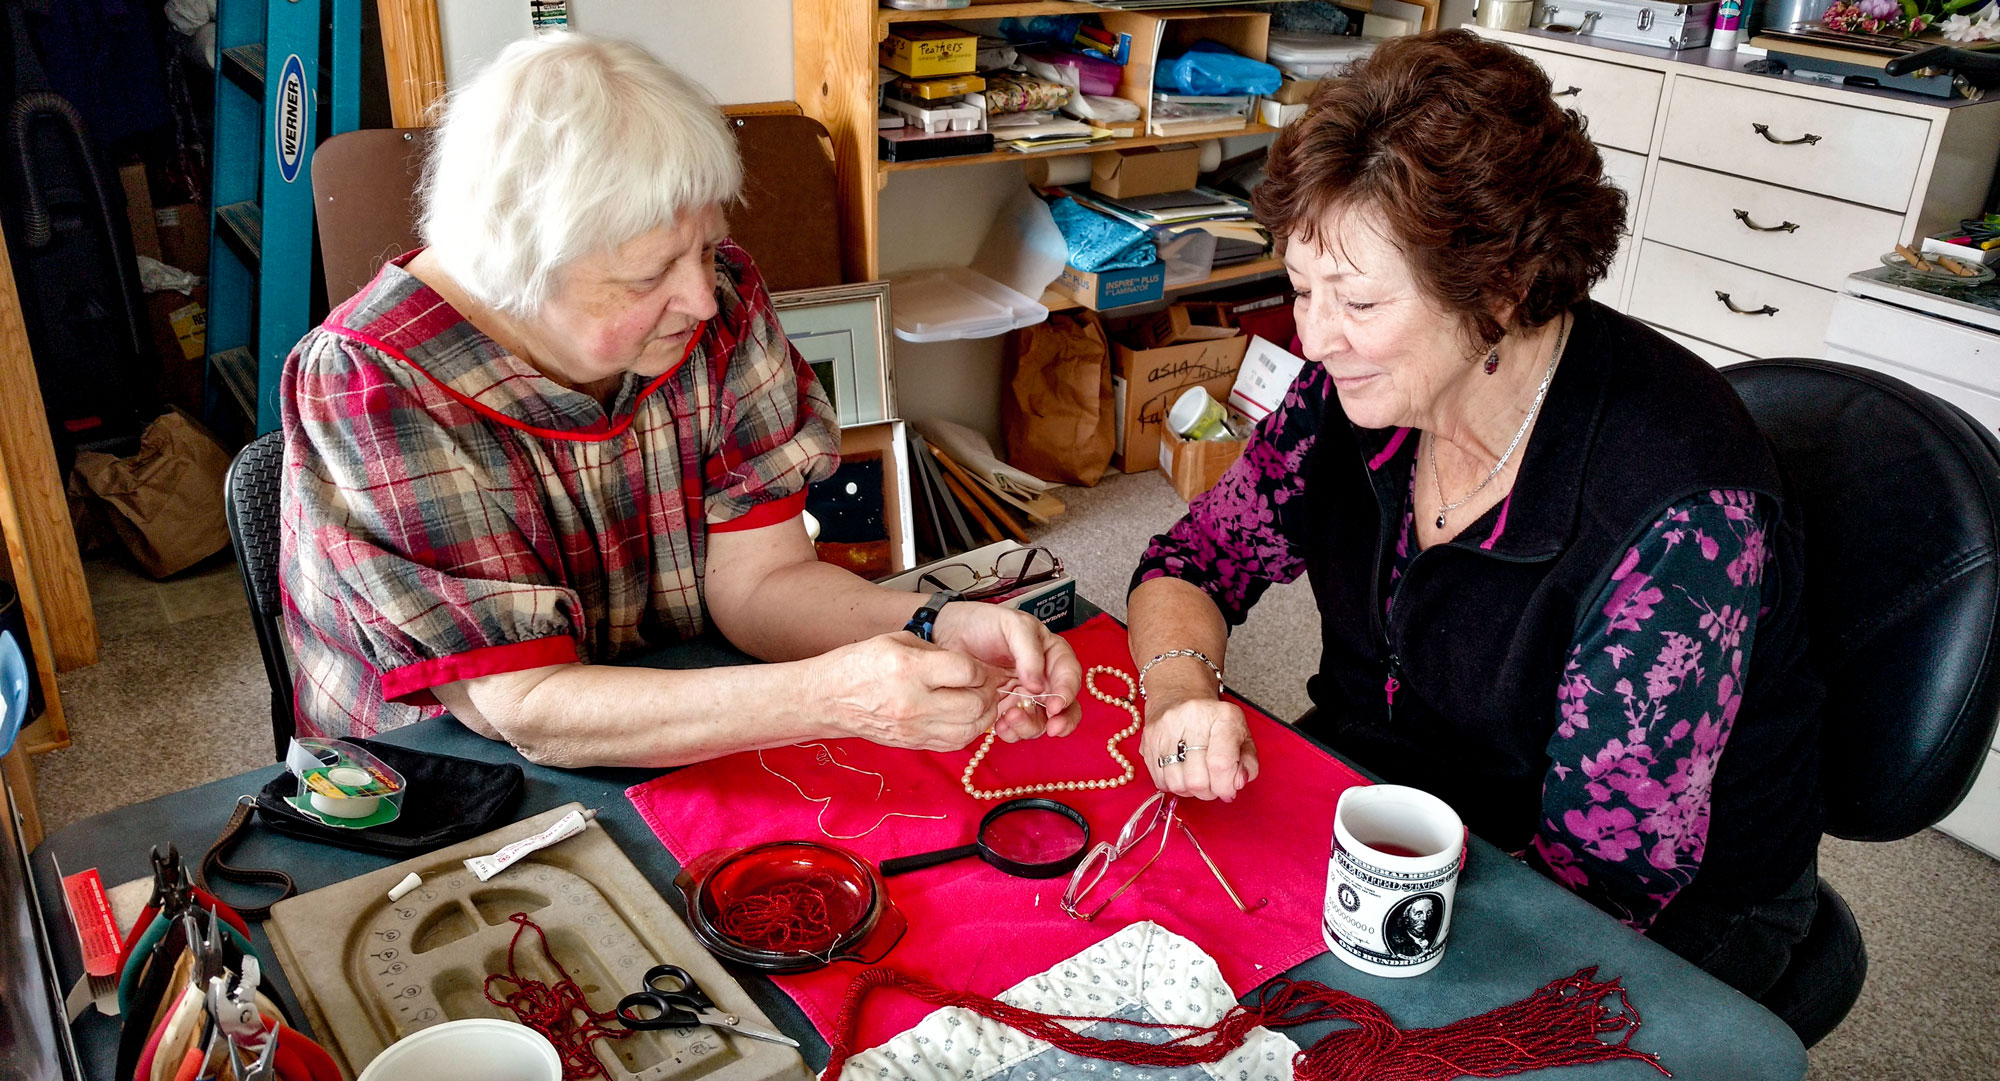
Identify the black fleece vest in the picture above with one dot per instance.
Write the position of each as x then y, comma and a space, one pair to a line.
1482, 625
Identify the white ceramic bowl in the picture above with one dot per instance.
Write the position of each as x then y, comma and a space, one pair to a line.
480, 1047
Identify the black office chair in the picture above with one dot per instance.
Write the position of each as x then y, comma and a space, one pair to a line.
250, 500
1901, 496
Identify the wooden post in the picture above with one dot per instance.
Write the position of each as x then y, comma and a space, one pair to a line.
34, 518
833, 78
20, 776
413, 54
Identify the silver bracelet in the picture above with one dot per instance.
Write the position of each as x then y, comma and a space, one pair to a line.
1195, 653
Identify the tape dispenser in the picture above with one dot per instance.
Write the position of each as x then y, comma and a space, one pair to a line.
342, 785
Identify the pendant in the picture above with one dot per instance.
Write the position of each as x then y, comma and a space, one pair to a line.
1440, 519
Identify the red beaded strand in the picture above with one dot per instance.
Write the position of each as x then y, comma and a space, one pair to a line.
1559, 1025
789, 918
552, 1010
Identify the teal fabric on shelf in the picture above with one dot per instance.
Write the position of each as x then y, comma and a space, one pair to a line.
1098, 243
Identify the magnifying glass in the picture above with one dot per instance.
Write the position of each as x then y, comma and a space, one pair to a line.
1026, 838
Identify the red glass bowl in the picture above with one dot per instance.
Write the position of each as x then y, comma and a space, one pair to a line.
864, 923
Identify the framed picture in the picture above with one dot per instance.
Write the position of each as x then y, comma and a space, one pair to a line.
843, 331
863, 512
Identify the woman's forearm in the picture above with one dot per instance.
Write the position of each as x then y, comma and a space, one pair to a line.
1166, 614
804, 609
597, 715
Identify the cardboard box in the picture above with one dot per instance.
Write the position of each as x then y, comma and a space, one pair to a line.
179, 325
1179, 324
1104, 289
183, 231
1195, 466
1275, 114
1267, 375
866, 555
1295, 91
1145, 170
1145, 383
139, 211
921, 50
951, 86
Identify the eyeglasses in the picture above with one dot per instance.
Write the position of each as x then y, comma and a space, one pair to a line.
1155, 816
1014, 568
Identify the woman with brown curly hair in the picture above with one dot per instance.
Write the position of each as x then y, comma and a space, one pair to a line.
1555, 572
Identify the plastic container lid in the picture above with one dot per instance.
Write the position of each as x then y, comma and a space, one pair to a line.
957, 302
482, 1047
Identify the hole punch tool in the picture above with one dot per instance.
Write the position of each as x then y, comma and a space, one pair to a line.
672, 999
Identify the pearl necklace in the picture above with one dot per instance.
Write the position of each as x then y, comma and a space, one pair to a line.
1110, 746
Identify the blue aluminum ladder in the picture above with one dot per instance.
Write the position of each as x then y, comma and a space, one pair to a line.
273, 106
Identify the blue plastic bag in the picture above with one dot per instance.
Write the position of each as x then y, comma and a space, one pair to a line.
1098, 243
1213, 70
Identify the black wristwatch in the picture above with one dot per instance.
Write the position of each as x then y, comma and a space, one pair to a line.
924, 623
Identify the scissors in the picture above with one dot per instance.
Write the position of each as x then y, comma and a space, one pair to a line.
672, 999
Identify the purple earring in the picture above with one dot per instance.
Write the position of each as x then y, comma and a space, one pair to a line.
1492, 360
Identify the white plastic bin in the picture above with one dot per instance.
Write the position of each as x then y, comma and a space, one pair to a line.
957, 302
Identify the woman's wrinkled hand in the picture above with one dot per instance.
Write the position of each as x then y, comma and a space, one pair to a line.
1040, 695
900, 691
1221, 757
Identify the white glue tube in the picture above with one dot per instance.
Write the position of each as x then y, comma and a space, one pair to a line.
566, 827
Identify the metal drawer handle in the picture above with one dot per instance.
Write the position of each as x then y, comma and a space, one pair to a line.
1569, 93
1807, 139
1731, 305
1785, 227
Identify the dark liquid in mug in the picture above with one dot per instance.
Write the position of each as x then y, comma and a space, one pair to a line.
1388, 849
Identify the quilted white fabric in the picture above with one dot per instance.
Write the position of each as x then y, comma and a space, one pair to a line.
1141, 973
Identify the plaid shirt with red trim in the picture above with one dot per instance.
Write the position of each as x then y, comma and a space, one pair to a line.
450, 512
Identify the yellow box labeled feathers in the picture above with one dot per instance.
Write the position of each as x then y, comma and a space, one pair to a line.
925, 49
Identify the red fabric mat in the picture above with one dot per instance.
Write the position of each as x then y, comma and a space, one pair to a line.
974, 928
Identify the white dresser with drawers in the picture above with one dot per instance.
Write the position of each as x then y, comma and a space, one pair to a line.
1754, 196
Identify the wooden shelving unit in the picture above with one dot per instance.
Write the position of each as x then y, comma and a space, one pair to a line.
834, 45
1006, 9
1057, 302
887, 167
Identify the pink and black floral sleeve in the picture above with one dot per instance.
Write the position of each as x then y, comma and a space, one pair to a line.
1236, 540
1646, 705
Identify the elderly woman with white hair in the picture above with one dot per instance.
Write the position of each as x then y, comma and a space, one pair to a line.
569, 428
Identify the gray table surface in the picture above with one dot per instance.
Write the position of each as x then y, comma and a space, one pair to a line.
1512, 932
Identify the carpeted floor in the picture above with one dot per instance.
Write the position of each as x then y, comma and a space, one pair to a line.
179, 698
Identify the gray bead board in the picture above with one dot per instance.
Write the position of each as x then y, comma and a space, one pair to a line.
369, 971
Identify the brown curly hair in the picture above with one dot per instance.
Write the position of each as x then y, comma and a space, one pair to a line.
1492, 191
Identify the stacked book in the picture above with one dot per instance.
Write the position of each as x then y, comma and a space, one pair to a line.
1238, 237
1039, 133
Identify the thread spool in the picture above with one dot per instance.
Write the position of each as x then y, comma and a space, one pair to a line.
355, 807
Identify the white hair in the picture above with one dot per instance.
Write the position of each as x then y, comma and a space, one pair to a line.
565, 145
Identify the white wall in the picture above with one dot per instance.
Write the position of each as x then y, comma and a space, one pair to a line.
740, 49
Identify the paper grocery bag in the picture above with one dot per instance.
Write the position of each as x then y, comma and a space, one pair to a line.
1055, 412
165, 502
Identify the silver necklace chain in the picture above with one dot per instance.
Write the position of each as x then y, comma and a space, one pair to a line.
1444, 508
